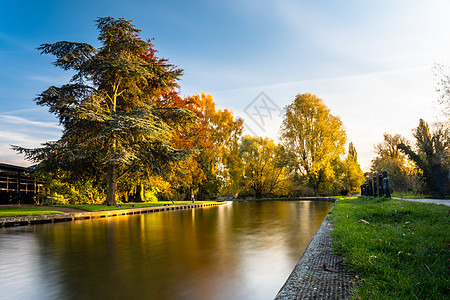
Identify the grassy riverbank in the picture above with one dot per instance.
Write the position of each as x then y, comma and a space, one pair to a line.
31, 210
100, 207
398, 249
25, 210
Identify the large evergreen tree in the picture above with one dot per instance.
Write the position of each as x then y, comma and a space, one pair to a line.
111, 124
431, 157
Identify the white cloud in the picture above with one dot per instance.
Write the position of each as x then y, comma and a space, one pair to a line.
51, 80
21, 131
8, 119
368, 104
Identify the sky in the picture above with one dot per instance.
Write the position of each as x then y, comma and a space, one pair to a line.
371, 62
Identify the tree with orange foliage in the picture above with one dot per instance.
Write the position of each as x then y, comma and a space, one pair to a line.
214, 167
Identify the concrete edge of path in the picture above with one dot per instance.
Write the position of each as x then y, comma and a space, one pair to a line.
434, 201
318, 274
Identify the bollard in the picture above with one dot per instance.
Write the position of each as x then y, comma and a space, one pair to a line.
380, 185
375, 188
386, 186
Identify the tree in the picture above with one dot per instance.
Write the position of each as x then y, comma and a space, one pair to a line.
431, 157
263, 166
108, 109
389, 158
313, 138
443, 89
352, 154
351, 174
214, 169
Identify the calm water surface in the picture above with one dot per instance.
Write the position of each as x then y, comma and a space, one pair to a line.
243, 250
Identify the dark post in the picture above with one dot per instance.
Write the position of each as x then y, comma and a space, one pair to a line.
370, 188
380, 185
386, 186
375, 188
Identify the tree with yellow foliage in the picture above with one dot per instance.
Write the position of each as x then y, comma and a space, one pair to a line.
401, 170
313, 139
264, 171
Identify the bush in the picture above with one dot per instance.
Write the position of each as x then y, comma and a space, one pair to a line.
57, 191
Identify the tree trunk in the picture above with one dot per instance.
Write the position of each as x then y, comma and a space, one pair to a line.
112, 183
140, 191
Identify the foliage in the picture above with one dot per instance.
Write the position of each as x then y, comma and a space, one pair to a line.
443, 74
111, 124
398, 249
215, 166
401, 170
349, 175
58, 190
264, 171
432, 157
313, 139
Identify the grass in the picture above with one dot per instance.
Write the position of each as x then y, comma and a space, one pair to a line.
25, 210
30, 210
398, 249
101, 207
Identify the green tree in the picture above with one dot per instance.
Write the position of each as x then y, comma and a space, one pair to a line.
443, 75
263, 166
389, 158
431, 157
111, 124
313, 139
351, 174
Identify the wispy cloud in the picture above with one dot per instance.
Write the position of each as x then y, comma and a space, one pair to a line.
50, 80
24, 132
9, 119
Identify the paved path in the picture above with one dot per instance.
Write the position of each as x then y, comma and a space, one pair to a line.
435, 201
63, 209
319, 274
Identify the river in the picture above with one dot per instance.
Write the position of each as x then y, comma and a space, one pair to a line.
242, 250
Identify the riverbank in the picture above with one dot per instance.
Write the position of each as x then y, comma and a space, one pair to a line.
399, 249
59, 216
319, 274
330, 199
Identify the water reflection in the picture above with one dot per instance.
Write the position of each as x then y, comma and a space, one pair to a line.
243, 250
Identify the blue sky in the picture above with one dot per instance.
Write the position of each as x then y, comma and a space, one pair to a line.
370, 61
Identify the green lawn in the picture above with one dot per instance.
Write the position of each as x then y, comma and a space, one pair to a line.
398, 249
30, 210
100, 207
25, 210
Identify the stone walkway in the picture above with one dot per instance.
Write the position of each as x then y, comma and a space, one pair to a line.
319, 274
63, 209
435, 201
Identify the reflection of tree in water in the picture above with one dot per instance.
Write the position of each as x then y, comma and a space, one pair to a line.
241, 250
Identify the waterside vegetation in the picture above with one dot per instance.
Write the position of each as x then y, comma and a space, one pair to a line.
397, 249
128, 135
33, 210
